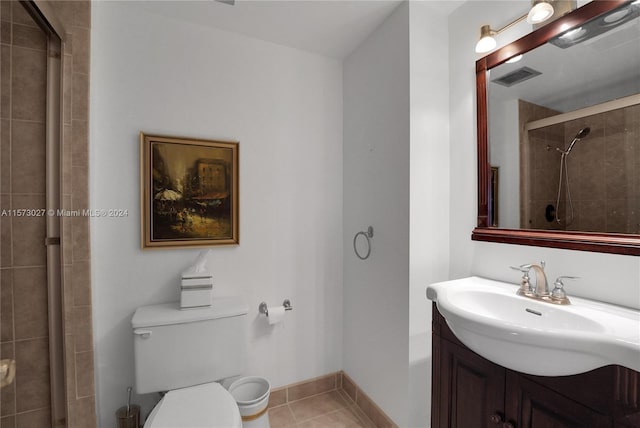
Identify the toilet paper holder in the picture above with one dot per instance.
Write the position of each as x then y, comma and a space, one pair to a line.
262, 308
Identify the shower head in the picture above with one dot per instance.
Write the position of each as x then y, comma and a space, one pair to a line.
579, 136
583, 133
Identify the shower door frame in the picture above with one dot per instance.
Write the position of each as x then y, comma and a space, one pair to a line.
44, 16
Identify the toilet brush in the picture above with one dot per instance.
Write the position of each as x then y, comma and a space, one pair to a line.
128, 400
128, 416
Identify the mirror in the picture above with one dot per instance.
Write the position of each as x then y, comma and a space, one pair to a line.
562, 125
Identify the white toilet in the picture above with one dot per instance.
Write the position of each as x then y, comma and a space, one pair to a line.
184, 352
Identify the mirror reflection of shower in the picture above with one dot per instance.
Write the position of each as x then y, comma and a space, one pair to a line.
564, 171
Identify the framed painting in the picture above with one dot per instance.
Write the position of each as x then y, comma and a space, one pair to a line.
189, 192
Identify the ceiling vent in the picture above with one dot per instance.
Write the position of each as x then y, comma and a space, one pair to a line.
517, 76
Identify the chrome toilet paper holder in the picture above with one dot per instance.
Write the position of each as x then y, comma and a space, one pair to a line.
262, 308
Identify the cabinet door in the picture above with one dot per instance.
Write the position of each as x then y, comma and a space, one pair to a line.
529, 405
471, 389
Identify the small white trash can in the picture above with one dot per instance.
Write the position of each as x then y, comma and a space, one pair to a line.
252, 395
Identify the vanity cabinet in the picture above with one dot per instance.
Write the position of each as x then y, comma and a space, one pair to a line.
469, 391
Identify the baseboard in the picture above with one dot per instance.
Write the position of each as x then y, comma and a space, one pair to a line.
341, 382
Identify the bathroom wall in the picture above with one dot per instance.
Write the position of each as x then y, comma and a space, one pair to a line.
428, 188
376, 192
284, 106
395, 158
611, 278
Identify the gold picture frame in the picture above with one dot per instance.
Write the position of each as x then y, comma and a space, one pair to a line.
189, 192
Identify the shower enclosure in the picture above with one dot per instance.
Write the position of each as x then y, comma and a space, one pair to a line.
44, 327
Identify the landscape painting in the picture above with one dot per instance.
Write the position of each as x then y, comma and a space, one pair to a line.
189, 192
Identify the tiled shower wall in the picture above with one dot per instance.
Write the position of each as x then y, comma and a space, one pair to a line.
75, 17
604, 172
24, 330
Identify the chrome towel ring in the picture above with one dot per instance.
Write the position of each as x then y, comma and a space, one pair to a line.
368, 234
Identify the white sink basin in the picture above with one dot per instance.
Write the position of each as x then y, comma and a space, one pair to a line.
536, 337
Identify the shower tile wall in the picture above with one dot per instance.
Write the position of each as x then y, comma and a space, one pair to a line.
539, 171
24, 331
18, 168
75, 16
604, 172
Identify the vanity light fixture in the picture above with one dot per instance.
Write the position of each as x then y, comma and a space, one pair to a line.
540, 12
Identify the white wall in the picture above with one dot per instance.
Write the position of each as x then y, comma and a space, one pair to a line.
429, 190
610, 278
285, 107
376, 193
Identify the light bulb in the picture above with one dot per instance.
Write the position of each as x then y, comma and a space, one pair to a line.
486, 42
540, 13
514, 59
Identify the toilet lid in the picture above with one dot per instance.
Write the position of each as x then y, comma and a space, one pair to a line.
203, 406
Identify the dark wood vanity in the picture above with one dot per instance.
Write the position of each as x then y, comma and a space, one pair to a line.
469, 391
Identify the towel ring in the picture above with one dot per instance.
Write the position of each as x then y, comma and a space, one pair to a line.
368, 234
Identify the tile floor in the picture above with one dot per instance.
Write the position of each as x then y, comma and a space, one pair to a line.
333, 409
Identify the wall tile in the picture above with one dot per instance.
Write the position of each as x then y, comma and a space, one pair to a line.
67, 176
82, 328
28, 86
81, 38
81, 283
21, 16
8, 393
36, 418
32, 375
80, 236
29, 250
5, 155
79, 143
5, 82
29, 37
84, 374
349, 387
82, 413
30, 302
9, 421
70, 367
5, 31
312, 387
5, 10
81, 14
277, 397
79, 96
6, 305
28, 157
67, 66
6, 250
80, 177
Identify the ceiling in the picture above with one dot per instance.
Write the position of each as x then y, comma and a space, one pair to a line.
332, 28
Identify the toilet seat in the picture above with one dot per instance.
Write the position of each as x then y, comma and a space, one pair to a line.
202, 406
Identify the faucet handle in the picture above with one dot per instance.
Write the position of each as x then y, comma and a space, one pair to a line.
522, 268
558, 294
525, 285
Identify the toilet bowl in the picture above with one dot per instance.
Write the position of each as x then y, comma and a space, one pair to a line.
202, 406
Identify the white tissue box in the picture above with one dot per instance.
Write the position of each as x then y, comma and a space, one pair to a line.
196, 290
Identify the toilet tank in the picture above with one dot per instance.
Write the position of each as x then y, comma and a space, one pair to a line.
176, 348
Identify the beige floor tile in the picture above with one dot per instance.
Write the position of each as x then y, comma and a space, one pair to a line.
281, 416
344, 418
317, 405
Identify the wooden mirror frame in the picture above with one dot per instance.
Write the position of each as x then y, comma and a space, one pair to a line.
628, 244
